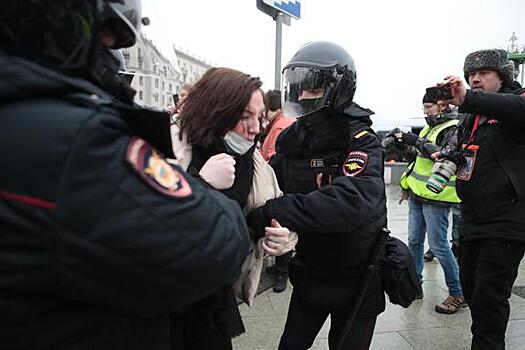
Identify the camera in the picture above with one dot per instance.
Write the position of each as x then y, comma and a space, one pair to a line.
442, 171
441, 174
437, 93
388, 143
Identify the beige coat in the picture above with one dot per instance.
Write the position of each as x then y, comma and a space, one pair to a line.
264, 187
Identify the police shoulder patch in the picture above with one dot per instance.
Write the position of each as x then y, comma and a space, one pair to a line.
355, 163
155, 170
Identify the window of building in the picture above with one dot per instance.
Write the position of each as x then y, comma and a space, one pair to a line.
141, 81
171, 87
140, 95
157, 83
163, 100
163, 86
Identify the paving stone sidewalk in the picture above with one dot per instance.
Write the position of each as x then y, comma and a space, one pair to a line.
417, 328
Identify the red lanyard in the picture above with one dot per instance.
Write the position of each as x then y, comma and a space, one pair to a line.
474, 129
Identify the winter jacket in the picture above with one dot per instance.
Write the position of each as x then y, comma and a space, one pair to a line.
101, 238
493, 196
264, 187
275, 128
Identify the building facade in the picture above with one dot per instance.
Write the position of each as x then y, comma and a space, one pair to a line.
155, 78
191, 68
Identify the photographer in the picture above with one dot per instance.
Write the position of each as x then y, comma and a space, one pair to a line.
428, 211
491, 185
394, 150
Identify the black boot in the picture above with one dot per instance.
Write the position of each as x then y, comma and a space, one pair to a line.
429, 256
280, 283
271, 270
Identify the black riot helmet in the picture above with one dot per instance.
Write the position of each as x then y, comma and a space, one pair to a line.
123, 18
66, 34
321, 74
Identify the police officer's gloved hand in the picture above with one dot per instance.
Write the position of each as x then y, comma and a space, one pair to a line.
409, 138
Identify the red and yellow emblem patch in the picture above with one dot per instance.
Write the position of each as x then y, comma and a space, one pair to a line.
355, 163
155, 170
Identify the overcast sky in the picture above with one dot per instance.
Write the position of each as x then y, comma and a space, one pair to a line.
400, 47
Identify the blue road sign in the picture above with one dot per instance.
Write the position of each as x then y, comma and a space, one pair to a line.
289, 7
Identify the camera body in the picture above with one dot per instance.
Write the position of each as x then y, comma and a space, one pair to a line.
436, 93
388, 143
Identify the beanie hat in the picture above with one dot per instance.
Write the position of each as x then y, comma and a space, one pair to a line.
427, 98
494, 59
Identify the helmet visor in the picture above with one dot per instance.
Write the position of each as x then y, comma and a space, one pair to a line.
125, 22
307, 89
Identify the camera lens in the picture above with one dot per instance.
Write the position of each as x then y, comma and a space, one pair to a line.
441, 174
436, 183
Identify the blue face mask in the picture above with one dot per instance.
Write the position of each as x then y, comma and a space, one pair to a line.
237, 143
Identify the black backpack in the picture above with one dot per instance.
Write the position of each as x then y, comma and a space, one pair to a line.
398, 273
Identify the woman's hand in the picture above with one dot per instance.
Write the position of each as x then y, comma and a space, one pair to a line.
219, 171
278, 240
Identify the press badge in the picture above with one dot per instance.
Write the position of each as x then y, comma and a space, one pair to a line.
466, 169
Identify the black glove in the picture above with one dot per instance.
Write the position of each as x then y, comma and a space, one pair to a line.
257, 221
409, 138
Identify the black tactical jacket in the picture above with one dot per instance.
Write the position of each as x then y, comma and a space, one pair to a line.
100, 238
339, 223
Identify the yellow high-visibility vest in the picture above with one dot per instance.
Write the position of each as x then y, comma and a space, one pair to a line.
418, 172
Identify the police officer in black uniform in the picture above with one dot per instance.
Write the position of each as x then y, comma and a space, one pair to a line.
491, 184
329, 164
102, 241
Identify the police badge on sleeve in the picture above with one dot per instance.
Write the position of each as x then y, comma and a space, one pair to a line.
355, 163
154, 169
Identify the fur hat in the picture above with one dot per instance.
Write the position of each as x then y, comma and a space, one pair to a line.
494, 59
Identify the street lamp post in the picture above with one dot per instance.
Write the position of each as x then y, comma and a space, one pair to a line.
278, 48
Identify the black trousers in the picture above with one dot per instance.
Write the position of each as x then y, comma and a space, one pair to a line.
488, 269
197, 335
304, 323
281, 263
